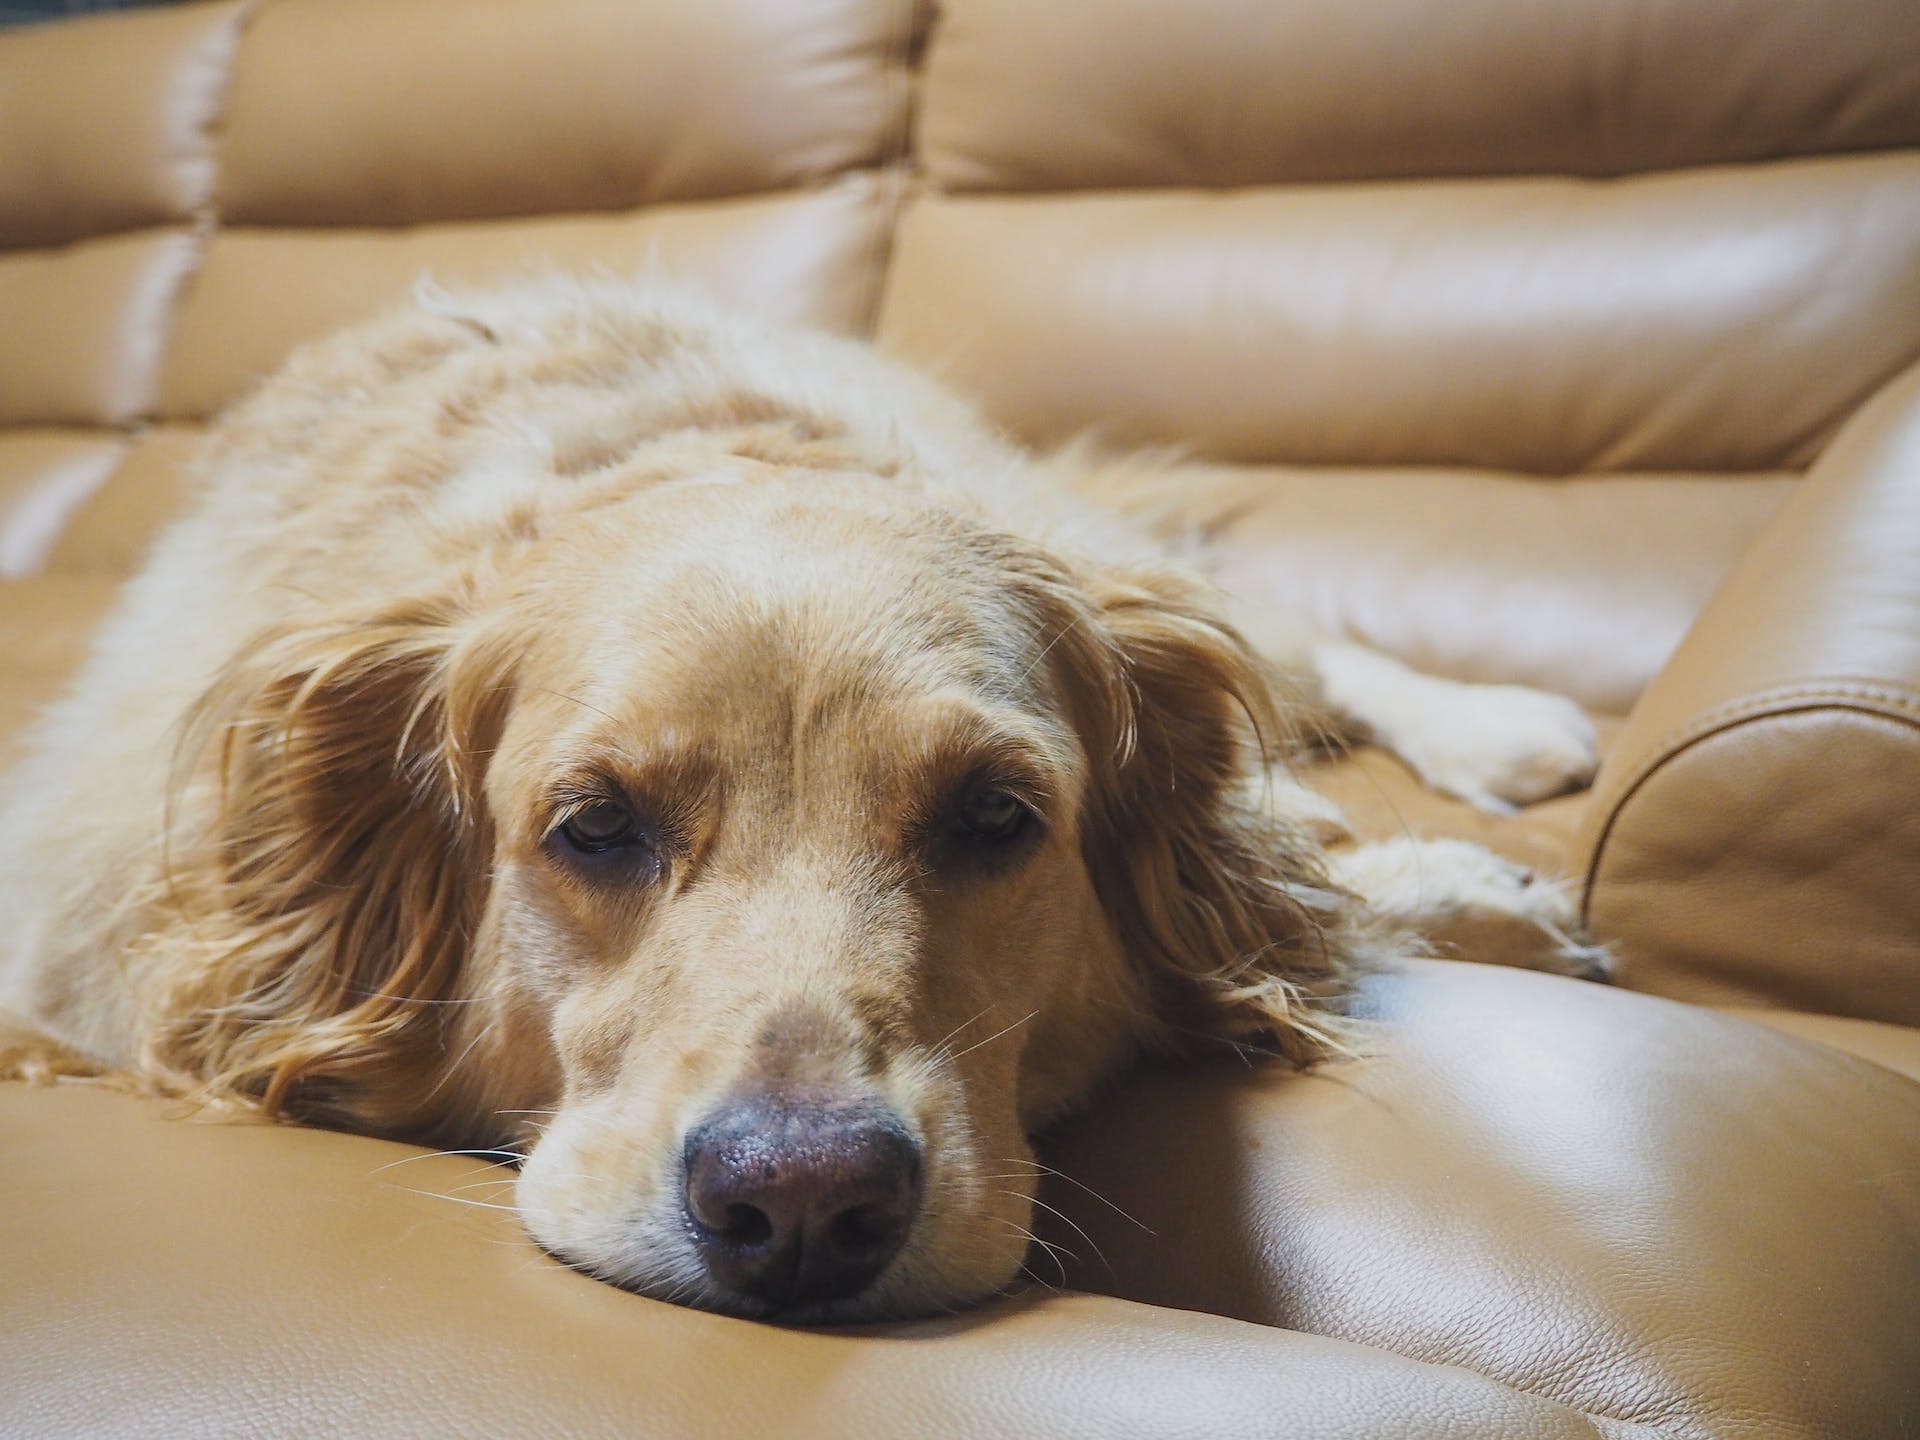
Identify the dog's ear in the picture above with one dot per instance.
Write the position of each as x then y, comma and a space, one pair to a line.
344, 868
1222, 904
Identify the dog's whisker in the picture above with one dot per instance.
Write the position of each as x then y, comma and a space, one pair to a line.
530, 1120
1069, 1220
457, 1200
459, 1060
995, 1036
940, 1045
1027, 1273
579, 1177
1041, 1169
1054, 1251
442, 1155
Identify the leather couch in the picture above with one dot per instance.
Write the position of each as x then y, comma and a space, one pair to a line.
1572, 344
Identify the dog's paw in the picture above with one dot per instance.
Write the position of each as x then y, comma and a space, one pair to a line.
1497, 746
1475, 904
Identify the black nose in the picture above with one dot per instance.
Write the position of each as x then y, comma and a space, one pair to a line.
794, 1201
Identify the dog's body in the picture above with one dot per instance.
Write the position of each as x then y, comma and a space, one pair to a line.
572, 716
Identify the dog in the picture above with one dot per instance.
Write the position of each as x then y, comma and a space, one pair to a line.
710, 764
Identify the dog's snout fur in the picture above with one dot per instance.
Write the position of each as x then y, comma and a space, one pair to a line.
794, 1199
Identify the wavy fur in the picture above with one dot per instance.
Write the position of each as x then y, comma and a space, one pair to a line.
496, 546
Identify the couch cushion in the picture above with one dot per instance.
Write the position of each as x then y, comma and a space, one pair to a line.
45, 475
81, 328
469, 108
1710, 320
1634, 1207
1897, 1047
805, 256
1582, 585
106, 125
166, 1277
1110, 93
110, 531
1542, 1208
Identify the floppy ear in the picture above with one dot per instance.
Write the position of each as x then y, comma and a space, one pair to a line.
344, 869
1224, 905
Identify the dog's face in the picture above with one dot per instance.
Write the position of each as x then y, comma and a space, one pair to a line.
800, 848
788, 876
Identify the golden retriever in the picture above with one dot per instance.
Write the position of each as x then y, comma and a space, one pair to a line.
578, 720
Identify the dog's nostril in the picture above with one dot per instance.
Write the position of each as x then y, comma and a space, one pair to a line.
746, 1225
864, 1228
792, 1201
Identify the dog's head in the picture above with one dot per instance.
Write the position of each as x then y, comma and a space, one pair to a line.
770, 858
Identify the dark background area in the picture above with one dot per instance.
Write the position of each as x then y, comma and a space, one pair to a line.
24, 12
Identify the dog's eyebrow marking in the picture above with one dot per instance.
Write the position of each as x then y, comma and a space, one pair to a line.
964, 739
669, 785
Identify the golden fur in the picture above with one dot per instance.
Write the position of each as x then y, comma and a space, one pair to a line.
289, 845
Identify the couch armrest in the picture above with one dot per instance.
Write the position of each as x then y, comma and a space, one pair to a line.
1754, 836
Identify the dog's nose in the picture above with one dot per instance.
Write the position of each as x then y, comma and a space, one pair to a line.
794, 1201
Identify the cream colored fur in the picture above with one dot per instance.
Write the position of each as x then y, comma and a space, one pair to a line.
290, 841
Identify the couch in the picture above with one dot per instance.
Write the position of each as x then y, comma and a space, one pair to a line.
1575, 345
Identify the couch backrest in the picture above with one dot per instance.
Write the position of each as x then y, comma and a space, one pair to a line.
1499, 233
1425, 259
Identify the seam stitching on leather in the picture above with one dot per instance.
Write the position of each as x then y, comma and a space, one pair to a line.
1888, 701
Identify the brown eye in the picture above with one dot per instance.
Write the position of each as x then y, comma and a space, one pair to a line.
600, 826
992, 816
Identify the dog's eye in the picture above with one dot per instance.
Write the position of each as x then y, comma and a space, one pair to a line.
600, 826
993, 816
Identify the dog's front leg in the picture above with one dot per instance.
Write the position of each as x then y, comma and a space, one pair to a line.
1468, 901
1495, 746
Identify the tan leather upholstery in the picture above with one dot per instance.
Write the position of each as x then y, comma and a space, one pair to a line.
806, 256
1101, 94
1610, 570
45, 475
1752, 833
1401, 1201
1571, 344
109, 531
84, 326
1498, 323
474, 108
460, 1328
140, 158
1433, 1244
1894, 1046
